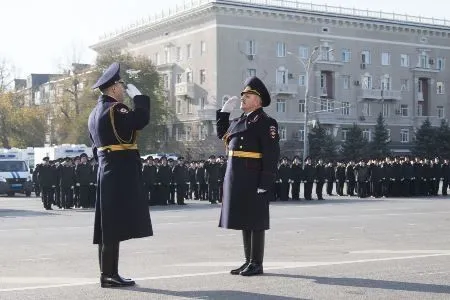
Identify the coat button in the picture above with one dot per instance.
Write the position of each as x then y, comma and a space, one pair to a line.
240, 147
242, 137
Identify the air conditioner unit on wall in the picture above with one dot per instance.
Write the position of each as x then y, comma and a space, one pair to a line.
356, 82
431, 61
290, 76
363, 66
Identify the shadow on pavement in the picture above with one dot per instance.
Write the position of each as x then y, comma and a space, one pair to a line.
216, 295
373, 283
12, 213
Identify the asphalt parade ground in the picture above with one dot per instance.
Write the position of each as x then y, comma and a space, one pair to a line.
340, 248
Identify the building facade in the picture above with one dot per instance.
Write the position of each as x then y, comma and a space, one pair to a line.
362, 63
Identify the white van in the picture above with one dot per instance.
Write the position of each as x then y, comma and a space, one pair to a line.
15, 175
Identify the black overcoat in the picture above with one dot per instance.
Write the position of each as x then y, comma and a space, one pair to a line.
121, 210
242, 207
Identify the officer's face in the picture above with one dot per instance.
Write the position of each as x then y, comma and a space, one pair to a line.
250, 102
118, 90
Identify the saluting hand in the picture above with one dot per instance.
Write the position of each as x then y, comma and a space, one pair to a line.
230, 104
132, 91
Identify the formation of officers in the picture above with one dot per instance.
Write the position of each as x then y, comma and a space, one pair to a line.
390, 177
71, 182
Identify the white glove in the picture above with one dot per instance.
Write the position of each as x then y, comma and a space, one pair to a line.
260, 191
132, 91
230, 104
77, 184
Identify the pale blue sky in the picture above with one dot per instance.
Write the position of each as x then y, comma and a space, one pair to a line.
41, 36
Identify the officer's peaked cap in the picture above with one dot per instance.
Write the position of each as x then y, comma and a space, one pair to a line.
308, 157
109, 77
254, 85
212, 156
180, 158
46, 158
83, 155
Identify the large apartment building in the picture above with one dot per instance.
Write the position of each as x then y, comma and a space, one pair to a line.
362, 63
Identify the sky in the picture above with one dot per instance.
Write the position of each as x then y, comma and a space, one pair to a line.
45, 36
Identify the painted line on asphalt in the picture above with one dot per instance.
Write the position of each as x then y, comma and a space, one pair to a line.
290, 265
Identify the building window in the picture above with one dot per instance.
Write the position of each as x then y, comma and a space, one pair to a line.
281, 105
251, 47
423, 61
251, 72
281, 49
165, 80
188, 133
302, 80
366, 109
346, 82
202, 47
301, 135
385, 58
440, 112
202, 102
157, 62
367, 135
178, 108
301, 106
365, 57
367, 82
202, 132
385, 110
177, 134
344, 134
179, 54
440, 64
346, 55
326, 105
303, 52
385, 82
404, 110
282, 133
404, 60
188, 51
345, 111
189, 105
326, 53
189, 78
404, 85
167, 55
202, 76
420, 109
282, 76
404, 135
440, 88
179, 78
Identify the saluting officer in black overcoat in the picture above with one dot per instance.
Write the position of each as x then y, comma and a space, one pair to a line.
121, 210
253, 151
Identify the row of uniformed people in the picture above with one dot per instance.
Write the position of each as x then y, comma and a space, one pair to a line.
391, 177
67, 182
166, 180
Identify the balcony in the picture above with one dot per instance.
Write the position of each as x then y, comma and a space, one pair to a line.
285, 89
378, 94
184, 89
434, 120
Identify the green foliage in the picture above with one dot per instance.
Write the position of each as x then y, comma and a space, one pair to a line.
379, 147
321, 145
425, 143
355, 147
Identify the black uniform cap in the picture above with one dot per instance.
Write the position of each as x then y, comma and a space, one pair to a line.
254, 85
180, 158
46, 158
212, 156
83, 155
109, 77
308, 157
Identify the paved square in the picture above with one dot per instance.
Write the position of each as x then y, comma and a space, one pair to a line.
341, 248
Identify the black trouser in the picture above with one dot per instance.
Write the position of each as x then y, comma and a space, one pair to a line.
193, 190
362, 189
172, 194
66, 196
444, 187
181, 193
308, 190
340, 187
295, 190
92, 195
351, 187
163, 194
47, 193
152, 195
58, 196
76, 195
284, 191
213, 192
202, 190
84, 196
376, 187
254, 242
277, 191
220, 192
37, 189
108, 256
319, 188
330, 187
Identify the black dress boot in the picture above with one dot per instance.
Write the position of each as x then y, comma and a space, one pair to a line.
247, 238
255, 267
109, 263
116, 266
